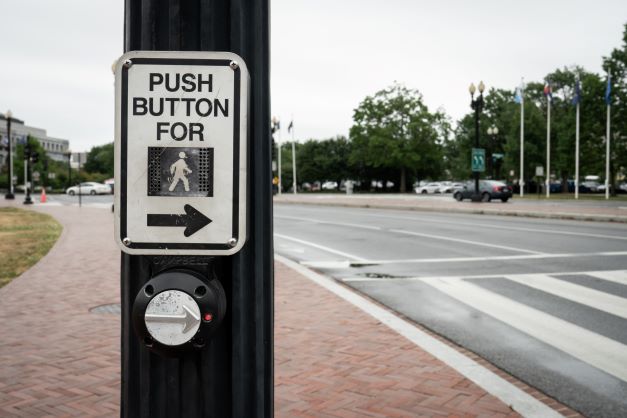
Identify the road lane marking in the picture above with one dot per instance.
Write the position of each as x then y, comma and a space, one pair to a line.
601, 352
320, 247
465, 241
478, 259
516, 398
507, 228
596, 299
320, 221
619, 276
400, 231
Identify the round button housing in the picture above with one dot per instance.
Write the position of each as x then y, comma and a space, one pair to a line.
172, 317
178, 311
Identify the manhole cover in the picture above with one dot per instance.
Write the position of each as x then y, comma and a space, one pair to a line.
111, 308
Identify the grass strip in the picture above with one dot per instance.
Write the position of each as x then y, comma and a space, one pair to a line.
25, 237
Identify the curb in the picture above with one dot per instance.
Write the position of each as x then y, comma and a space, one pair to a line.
514, 397
538, 215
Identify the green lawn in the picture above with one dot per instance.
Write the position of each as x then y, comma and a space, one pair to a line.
25, 237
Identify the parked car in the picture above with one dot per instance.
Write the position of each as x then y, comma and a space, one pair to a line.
489, 189
91, 188
446, 187
589, 187
429, 188
329, 185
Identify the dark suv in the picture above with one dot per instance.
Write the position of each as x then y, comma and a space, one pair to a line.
489, 189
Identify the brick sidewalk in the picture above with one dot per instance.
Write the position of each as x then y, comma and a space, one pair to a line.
57, 358
332, 360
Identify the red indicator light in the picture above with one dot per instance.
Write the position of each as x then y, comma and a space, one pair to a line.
207, 317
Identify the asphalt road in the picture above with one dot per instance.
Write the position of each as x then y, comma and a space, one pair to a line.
544, 300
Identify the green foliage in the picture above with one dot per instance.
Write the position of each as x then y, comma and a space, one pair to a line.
501, 111
616, 65
394, 130
100, 161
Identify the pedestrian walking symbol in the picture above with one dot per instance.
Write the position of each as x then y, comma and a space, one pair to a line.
180, 171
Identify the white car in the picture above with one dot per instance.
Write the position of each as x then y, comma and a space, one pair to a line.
429, 188
91, 188
329, 185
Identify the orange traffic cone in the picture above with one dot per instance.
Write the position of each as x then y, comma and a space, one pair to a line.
42, 199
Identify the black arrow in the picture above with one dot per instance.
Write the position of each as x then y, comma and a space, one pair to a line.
192, 220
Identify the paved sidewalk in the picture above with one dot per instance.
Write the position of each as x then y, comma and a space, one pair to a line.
555, 209
332, 360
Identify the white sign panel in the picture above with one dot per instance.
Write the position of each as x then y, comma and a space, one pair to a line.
180, 152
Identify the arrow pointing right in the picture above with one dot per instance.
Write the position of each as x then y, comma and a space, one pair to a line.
188, 319
192, 220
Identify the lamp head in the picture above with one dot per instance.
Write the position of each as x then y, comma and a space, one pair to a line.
481, 87
472, 89
8, 114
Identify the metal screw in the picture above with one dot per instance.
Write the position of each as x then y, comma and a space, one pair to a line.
126, 241
234, 65
232, 242
128, 63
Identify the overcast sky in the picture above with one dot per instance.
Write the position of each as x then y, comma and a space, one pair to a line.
327, 55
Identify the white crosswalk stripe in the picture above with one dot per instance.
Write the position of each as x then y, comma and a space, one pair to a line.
602, 301
619, 276
597, 350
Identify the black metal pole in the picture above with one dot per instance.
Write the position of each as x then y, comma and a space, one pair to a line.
233, 375
27, 172
476, 173
78, 176
10, 194
69, 169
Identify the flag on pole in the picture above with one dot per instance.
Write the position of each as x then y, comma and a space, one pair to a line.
518, 98
290, 126
548, 93
608, 90
577, 96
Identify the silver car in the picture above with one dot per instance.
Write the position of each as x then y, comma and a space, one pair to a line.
91, 188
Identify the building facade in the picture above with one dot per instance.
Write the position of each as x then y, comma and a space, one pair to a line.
56, 148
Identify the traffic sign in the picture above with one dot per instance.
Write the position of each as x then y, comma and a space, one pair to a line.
181, 152
478, 159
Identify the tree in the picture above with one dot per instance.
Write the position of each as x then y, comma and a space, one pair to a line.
100, 160
394, 130
616, 65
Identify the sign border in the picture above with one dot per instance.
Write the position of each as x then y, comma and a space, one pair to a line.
238, 229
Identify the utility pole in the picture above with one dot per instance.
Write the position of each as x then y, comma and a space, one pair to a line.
8, 115
231, 373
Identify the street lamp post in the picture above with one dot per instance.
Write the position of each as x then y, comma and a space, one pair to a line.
493, 131
9, 194
477, 106
69, 168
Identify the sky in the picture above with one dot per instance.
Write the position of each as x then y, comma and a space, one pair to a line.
326, 56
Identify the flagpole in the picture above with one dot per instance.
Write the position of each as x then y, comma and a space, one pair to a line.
577, 153
522, 136
294, 183
607, 155
279, 157
548, 148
